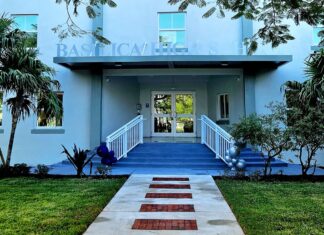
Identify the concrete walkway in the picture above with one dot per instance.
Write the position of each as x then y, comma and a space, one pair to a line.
177, 205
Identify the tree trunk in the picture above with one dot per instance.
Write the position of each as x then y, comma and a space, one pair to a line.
266, 168
11, 139
2, 158
79, 172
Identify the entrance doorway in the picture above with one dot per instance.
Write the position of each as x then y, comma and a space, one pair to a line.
173, 114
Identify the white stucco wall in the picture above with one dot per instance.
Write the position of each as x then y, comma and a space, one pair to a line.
120, 96
268, 84
136, 22
233, 86
76, 85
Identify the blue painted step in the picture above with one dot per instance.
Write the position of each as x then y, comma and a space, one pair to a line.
183, 155
256, 159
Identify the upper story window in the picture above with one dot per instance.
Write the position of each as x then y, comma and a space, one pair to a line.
223, 107
1, 104
316, 38
44, 121
172, 29
28, 24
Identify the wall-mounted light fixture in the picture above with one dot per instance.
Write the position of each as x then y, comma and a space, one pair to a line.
224, 64
118, 65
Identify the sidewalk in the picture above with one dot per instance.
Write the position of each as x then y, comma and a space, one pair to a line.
177, 205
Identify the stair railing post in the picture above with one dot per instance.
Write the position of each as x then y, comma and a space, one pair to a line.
125, 142
217, 143
108, 143
141, 140
203, 130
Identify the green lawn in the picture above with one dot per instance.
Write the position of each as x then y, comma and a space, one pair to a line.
276, 207
52, 206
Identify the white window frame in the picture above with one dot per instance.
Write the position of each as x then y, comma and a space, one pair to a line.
173, 29
52, 127
13, 15
219, 115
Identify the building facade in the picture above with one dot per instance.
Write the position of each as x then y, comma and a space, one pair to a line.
171, 67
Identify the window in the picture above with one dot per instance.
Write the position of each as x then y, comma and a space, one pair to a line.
28, 24
223, 107
44, 121
1, 104
316, 38
172, 29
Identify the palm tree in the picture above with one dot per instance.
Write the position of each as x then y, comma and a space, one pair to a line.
312, 90
26, 79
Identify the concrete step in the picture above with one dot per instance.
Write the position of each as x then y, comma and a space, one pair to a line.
171, 165
172, 155
273, 164
252, 154
171, 160
255, 159
181, 155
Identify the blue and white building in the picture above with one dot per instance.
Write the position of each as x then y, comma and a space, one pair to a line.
170, 67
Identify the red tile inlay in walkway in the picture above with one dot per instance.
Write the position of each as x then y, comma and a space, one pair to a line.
167, 208
170, 179
159, 224
168, 195
173, 186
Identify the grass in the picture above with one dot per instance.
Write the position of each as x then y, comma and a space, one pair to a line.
52, 206
276, 207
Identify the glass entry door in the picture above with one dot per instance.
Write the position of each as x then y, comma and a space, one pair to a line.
173, 114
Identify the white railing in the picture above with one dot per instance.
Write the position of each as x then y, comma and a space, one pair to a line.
126, 138
215, 137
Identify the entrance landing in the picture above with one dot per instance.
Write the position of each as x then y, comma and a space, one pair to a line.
177, 205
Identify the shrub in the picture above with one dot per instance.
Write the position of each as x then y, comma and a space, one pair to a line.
20, 169
103, 171
248, 130
307, 138
42, 170
79, 159
275, 136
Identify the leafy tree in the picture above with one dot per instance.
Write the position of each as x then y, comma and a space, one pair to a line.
306, 131
71, 28
184, 104
273, 14
248, 130
23, 77
275, 136
269, 132
306, 112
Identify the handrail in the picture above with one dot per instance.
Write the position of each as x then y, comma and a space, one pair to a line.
126, 138
215, 137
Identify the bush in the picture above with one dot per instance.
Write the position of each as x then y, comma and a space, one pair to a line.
79, 159
42, 170
248, 130
19, 170
103, 171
